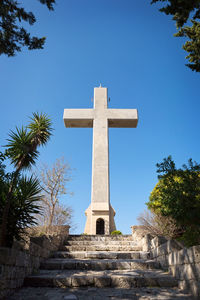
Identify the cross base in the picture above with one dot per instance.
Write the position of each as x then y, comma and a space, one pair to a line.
99, 221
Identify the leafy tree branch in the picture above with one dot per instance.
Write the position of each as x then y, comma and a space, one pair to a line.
184, 11
13, 36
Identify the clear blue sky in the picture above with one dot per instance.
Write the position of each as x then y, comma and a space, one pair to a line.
129, 47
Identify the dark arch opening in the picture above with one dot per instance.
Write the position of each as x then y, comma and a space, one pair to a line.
100, 226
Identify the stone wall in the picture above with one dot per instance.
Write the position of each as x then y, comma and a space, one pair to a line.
138, 231
24, 258
183, 263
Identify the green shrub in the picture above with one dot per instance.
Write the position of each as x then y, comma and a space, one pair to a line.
191, 236
116, 232
177, 196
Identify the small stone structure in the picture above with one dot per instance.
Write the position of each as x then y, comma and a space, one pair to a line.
138, 231
25, 258
100, 214
183, 263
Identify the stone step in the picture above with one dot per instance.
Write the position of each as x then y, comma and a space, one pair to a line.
97, 265
97, 243
100, 247
91, 293
102, 238
102, 255
120, 279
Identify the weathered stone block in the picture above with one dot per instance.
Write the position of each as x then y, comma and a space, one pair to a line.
142, 255
138, 265
103, 281
123, 265
167, 282
154, 253
153, 265
9, 272
190, 285
81, 265
166, 248
121, 281
62, 282
111, 265
189, 271
35, 262
157, 241
7, 256
147, 281
172, 258
109, 255
146, 242
4, 284
21, 259
163, 261
192, 255
99, 265
82, 280
138, 231
174, 271
124, 255
138, 282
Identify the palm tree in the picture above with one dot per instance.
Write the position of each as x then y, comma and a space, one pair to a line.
22, 151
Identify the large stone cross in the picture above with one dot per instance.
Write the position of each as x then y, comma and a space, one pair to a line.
100, 214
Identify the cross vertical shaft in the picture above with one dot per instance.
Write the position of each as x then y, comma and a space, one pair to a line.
100, 162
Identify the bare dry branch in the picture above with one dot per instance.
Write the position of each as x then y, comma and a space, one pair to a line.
53, 183
158, 225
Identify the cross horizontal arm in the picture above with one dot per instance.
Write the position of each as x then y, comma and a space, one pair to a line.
122, 118
78, 118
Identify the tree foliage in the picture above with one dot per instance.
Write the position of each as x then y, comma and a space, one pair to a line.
13, 36
177, 195
192, 46
182, 11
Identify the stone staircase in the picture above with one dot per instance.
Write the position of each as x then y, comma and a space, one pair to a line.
105, 262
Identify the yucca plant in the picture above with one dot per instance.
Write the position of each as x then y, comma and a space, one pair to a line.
23, 207
22, 151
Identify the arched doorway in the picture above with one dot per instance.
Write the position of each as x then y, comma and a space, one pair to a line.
100, 225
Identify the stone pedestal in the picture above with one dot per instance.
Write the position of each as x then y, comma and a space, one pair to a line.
94, 215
